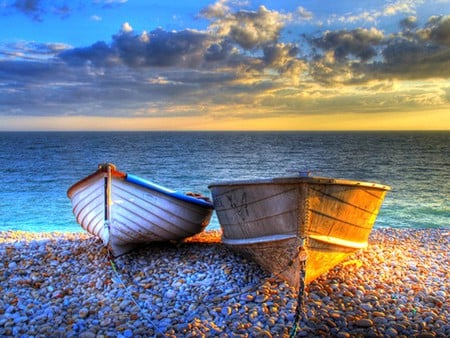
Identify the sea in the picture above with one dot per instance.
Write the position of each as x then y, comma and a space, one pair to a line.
37, 168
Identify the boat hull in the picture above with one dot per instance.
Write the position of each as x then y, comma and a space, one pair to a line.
271, 220
126, 211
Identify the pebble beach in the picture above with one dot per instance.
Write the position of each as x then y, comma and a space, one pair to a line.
65, 285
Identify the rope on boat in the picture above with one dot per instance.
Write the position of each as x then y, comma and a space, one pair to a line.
132, 298
299, 311
302, 256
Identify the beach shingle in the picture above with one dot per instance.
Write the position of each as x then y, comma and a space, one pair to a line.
399, 286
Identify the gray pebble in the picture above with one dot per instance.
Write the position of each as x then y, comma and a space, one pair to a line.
63, 285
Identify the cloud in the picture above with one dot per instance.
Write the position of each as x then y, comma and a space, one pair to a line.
99, 54
110, 3
31, 50
409, 23
304, 13
249, 29
126, 28
159, 48
358, 42
424, 53
413, 60
372, 16
400, 6
437, 30
360, 55
242, 60
37, 10
96, 18
284, 59
27, 86
216, 10
224, 45
32, 8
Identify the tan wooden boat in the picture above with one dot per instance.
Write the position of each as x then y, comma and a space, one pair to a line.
126, 211
275, 220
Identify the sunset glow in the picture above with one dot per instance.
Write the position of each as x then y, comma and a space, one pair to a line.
225, 65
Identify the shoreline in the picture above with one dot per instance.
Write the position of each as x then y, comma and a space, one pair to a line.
63, 285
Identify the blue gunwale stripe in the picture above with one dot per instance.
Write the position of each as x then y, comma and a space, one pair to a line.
172, 193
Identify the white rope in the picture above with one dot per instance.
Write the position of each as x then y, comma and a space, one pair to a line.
113, 265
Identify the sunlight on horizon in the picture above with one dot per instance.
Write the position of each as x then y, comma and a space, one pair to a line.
431, 120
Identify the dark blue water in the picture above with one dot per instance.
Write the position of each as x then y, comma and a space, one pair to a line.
38, 168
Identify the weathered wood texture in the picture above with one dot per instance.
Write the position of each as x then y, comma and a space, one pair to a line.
270, 219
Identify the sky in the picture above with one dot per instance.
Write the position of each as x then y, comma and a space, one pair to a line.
224, 65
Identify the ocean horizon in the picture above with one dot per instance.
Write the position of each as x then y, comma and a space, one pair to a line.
38, 168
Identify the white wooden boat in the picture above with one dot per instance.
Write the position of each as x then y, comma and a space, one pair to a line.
276, 221
126, 211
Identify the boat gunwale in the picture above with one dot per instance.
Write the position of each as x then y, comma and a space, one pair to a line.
300, 180
167, 192
133, 179
283, 237
73, 188
257, 240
